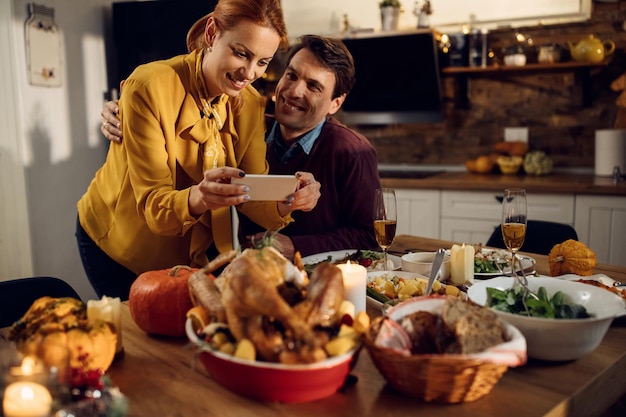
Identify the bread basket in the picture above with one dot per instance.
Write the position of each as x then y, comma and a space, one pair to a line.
443, 378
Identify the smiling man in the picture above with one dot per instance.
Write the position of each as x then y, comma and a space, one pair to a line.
304, 136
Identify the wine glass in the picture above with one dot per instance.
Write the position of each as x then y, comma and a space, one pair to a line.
514, 231
514, 220
385, 218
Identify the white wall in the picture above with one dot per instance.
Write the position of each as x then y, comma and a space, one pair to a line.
15, 252
325, 17
52, 141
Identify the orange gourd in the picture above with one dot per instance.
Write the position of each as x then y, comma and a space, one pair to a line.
53, 328
159, 300
572, 257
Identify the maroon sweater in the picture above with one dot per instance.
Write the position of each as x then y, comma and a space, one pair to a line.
346, 165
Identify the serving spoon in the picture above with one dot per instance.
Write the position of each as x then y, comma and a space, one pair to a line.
523, 282
520, 278
435, 269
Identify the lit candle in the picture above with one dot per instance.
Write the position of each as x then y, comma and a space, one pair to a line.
354, 284
26, 399
462, 264
29, 367
107, 309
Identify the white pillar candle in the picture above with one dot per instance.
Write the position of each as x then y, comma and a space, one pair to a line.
26, 399
462, 264
354, 284
107, 309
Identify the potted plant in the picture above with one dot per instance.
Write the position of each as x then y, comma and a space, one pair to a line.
389, 14
390, 3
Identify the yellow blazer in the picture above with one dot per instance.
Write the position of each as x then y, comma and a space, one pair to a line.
136, 207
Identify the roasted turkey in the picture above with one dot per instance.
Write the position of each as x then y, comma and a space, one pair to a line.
273, 303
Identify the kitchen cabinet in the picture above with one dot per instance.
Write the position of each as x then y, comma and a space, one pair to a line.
466, 208
471, 216
601, 225
418, 212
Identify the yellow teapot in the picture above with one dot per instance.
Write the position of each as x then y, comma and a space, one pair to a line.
591, 49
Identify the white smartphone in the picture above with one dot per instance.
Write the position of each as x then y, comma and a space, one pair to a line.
268, 187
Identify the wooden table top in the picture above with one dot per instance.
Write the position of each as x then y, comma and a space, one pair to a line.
157, 376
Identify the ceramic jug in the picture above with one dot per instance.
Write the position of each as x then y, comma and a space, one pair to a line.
591, 49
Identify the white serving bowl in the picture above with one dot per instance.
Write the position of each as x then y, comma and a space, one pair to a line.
559, 339
422, 262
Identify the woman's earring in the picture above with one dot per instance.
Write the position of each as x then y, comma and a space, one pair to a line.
209, 49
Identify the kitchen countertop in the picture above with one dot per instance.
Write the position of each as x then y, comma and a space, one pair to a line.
556, 183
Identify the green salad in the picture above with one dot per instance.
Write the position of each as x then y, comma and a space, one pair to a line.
371, 260
555, 307
485, 262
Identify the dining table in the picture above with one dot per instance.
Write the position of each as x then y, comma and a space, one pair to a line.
161, 376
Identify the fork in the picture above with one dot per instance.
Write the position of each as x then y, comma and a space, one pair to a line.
523, 282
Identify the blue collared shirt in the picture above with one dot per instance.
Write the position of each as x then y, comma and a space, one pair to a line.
306, 142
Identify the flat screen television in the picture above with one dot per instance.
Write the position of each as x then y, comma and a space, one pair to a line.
397, 80
145, 31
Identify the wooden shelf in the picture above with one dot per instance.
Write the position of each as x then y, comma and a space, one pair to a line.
463, 74
529, 68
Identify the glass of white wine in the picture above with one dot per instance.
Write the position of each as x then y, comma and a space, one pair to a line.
514, 220
385, 219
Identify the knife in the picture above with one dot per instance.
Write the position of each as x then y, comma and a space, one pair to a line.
435, 270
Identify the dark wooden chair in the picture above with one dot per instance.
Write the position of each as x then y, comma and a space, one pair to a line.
17, 295
541, 236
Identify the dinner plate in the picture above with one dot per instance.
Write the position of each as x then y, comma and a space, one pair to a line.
528, 263
597, 277
334, 256
601, 278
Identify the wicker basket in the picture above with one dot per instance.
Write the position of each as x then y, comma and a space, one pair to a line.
434, 378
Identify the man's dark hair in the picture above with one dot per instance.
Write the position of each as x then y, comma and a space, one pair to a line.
334, 54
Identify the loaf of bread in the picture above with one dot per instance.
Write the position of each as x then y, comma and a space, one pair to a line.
476, 327
422, 328
463, 327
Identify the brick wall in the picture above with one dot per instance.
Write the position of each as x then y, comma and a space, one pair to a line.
549, 104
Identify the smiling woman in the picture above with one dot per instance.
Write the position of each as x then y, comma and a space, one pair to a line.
190, 124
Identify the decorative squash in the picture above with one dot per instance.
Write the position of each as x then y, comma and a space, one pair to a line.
572, 257
52, 328
159, 300
509, 165
538, 163
482, 165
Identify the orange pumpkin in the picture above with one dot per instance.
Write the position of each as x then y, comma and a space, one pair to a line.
572, 257
159, 300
